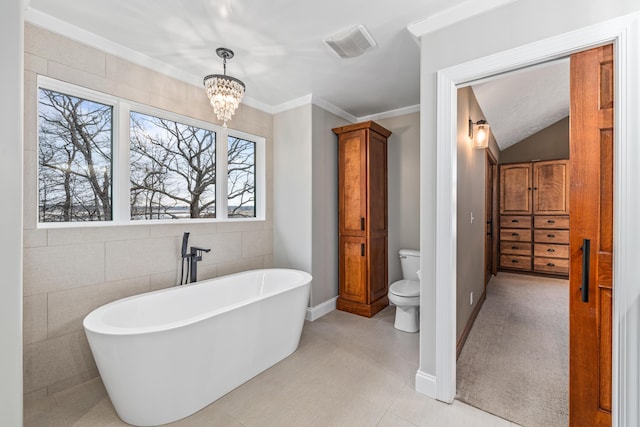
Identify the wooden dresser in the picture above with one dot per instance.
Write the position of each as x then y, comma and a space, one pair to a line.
534, 217
362, 218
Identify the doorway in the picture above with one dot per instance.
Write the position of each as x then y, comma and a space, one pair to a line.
625, 356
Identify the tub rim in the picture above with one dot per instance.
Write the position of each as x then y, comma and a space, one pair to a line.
92, 322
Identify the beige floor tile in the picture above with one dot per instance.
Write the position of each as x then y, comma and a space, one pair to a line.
347, 371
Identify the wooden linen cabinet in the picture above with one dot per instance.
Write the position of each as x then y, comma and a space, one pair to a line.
362, 205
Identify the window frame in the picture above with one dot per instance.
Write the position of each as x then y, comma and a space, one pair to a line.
120, 162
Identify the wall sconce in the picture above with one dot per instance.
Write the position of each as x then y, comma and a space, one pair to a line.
479, 133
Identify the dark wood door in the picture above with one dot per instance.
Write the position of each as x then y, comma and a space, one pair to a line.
353, 269
515, 189
491, 226
591, 201
551, 187
352, 174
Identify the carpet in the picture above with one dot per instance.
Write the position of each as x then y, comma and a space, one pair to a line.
514, 363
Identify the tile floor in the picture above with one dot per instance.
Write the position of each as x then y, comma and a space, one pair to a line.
347, 371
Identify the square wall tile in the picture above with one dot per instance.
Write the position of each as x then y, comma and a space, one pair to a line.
48, 269
134, 258
34, 328
256, 243
68, 308
46, 44
56, 359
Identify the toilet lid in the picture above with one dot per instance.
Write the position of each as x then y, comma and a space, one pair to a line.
405, 288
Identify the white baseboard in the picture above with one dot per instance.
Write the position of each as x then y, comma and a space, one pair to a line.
426, 384
316, 312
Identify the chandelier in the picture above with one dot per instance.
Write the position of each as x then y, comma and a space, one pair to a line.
224, 92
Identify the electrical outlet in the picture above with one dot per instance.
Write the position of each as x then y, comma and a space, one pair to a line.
471, 298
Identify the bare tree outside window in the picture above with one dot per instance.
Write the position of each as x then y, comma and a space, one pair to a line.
173, 169
241, 166
74, 158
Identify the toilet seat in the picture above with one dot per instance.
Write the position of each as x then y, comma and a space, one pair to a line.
405, 288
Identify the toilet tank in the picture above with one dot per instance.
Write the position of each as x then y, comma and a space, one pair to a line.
410, 263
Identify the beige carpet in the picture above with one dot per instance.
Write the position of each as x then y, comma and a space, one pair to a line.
515, 361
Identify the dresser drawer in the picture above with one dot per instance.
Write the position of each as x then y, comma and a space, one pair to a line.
551, 221
515, 221
550, 250
551, 265
550, 236
515, 248
515, 235
516, 262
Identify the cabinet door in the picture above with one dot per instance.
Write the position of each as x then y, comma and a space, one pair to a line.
352, 175
353, 269
551, 187
377, 184
515, 189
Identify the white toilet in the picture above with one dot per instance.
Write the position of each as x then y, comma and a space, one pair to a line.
405, 293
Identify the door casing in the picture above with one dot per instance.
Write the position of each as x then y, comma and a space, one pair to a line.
623, 33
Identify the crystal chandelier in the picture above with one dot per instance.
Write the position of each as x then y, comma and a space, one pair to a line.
224, 92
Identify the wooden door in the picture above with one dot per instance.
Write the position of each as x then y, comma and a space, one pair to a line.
353, 269
551, 187
352, 174
515, 189
591, 201
491, 226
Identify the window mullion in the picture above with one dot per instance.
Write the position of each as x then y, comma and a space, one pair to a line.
121, 168
222, 147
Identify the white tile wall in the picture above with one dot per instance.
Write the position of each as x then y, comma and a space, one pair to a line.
70, 271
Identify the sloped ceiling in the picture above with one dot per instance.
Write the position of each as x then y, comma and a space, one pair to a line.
521, 103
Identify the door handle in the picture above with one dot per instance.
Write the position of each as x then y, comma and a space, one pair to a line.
361, 223
586, 252
362, 249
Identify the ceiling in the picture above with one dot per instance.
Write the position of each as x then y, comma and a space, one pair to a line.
521, 103
281, 56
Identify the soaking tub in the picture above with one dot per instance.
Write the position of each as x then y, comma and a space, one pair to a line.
166, 354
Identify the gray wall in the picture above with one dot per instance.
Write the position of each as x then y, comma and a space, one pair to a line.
11, 104
515, 24
306, 198
471, 201
70, 271
551, 143
403, 171
325, 205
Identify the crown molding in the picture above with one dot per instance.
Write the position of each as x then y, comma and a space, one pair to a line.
326, 105
391, 113
453, 15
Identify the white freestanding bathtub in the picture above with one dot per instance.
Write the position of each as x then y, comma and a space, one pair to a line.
166, 354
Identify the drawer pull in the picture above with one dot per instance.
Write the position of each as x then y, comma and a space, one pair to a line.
551, 236
514, 220
514, 247
551, 221
514, 234
550, 264
551, 250
515, 261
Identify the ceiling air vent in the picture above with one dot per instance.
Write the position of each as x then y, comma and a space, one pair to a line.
351, 43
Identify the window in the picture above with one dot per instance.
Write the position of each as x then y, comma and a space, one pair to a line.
105, 160
173, 169
241, 172
74, 158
